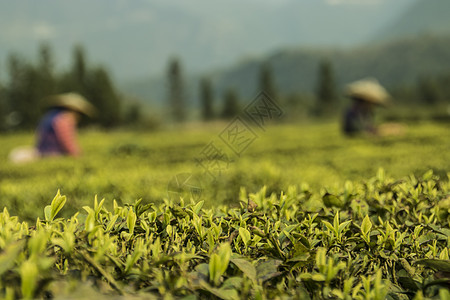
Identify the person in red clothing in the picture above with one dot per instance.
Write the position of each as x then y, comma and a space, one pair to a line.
56, 133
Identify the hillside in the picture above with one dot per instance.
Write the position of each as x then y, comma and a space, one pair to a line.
425, 16
136, 38
392, 63
414, 43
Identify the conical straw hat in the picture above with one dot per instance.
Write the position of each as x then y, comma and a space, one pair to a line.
73, 101
368, 90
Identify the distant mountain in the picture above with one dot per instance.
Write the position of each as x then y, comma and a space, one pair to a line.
394, 63
229, 40
425, 16
136, 38
414, 44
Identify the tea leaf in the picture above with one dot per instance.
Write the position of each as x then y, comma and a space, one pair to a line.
318, 277
268, 269
226, 294
218, 262
9, 255
131, 221
436, 264
29, 273
245, 235
56, 205
331, 200
48, 213
246, 267
198, 206
366, 225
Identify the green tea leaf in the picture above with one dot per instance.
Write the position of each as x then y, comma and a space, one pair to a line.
232, 283
198, 207
331, 200
9, 255
436, 264
224, 254
218, 262
131, 221
89, 224
318, 277
246, 267
366, 225
245, 235
29, 273
268, 269
111, 223
56, 205
344, 225
329, 226
48, 213
222, 293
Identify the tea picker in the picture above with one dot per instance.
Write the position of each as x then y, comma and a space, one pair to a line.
56, 132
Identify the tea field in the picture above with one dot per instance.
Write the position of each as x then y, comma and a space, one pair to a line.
131, 165
287, 212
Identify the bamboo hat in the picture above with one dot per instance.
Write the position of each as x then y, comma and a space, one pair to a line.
73, 101
368, 90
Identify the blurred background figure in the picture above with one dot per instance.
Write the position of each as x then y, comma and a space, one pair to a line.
56, 132
366, 95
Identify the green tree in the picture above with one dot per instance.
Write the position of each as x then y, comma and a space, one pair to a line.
326, 88
3, 109
133, 113
266, 82
22, 94
79, 68
206, 97
75, 79
176, 92
231, 107
428, 90
100, 91
96, 85
47, 84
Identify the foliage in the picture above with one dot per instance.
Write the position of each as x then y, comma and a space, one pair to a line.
428, 91
325, 89
266, 81
105, 98
176, 94
22, 97
127, 165
231, 106
389, 240
23, 94
206, 97
393, 63
95, 84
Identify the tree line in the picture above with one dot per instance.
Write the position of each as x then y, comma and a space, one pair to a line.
22, 95
24, 92
326, 99
28, 84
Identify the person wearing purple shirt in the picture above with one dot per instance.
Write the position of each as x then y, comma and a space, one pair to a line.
56, 133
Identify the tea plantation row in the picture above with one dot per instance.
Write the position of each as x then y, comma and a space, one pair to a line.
375, 239
126, 165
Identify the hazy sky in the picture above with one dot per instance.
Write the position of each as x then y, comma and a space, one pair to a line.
136, 38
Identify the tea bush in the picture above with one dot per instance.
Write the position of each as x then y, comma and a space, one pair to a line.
374, 239
126, 165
